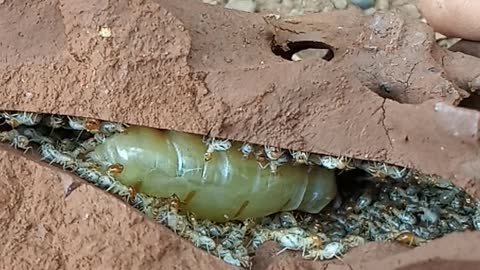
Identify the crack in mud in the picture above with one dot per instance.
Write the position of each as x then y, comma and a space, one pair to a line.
382, 120
410, 74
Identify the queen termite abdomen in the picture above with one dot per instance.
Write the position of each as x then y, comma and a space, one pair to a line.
227, 187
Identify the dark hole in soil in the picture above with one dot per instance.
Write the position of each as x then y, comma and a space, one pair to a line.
390, 90
291, 48
472, 102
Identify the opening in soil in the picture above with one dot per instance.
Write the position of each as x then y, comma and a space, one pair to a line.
299, 50
472, 102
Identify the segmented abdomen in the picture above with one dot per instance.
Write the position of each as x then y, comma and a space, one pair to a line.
162, 163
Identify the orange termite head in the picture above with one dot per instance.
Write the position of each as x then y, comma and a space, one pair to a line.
406, 238
92, 125
115, 169
13, 123
174, 202
132, 192
317, 241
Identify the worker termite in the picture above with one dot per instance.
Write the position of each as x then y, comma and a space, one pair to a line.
169, 216
330, 251
296, 239
246, 149
234, 237
50, 153
22, 118
15, 139
352, 241
85, 147
276, 157
259, 237
53, 121
201, 241
78, 123
213, 230
94, 176
382, 170
341, 163
35, 136
215, 145
168, 162
287, 220
300, 157
66, 145
237, 257
109, 128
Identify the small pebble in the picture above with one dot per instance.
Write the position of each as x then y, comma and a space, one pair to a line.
105, 32
211, 2
363, 4
242, 5
439, 36
309, 53
382, 4
340, 4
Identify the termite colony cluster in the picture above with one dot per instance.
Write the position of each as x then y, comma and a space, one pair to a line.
374, 202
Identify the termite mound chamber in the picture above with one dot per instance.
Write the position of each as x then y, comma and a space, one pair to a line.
229, 198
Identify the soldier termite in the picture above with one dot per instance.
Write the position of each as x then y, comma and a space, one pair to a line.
228, 187
408, 238
90, 125
297, 240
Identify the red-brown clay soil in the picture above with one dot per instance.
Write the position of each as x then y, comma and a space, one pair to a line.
191, 67
88, 229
